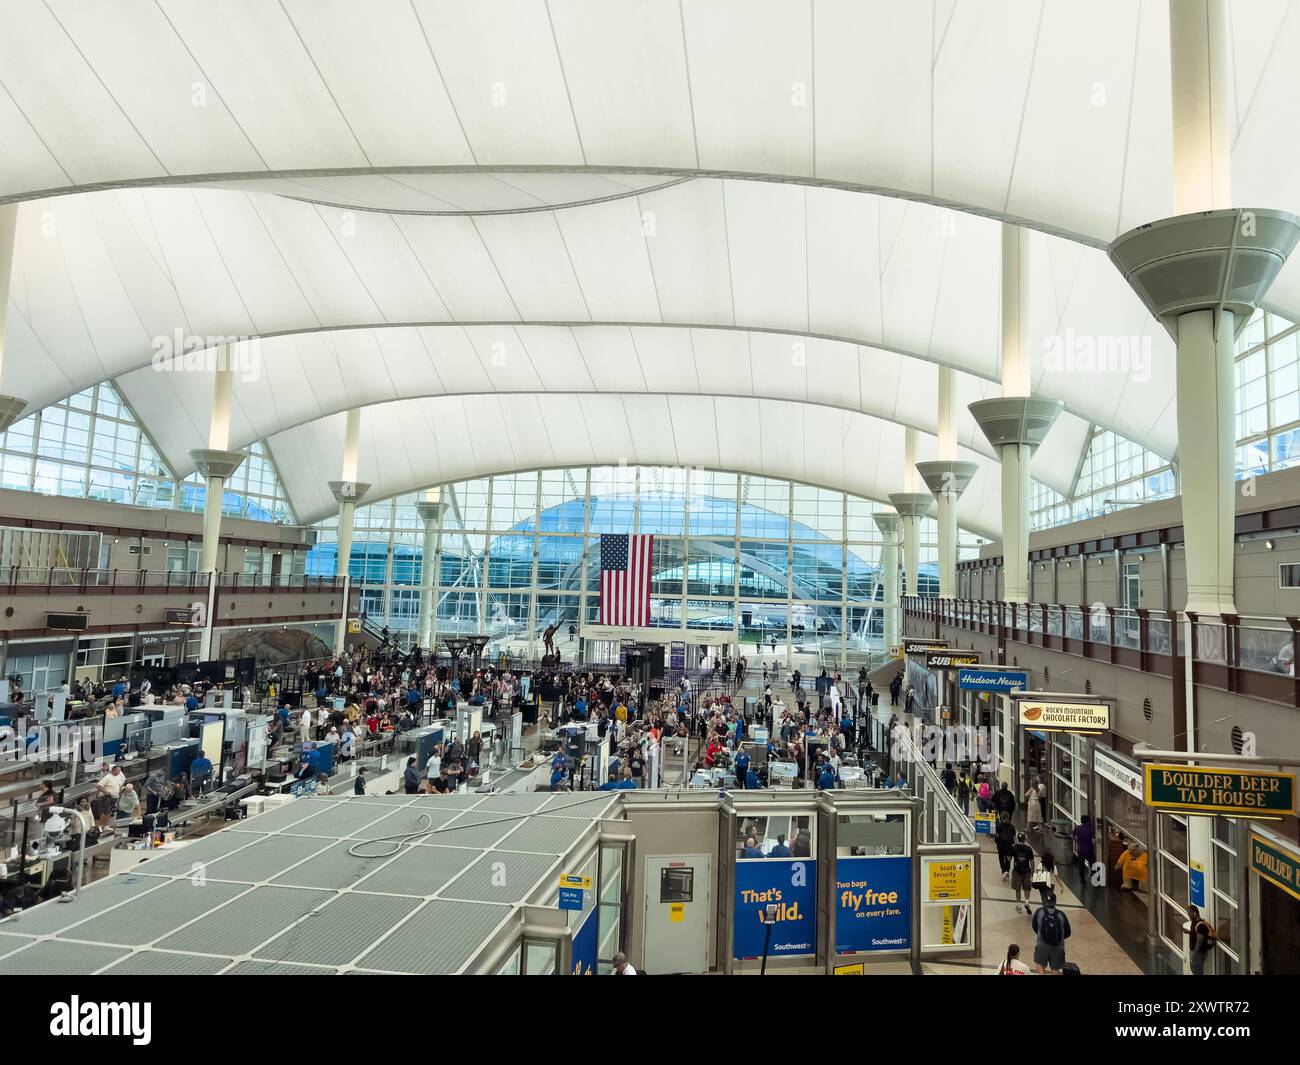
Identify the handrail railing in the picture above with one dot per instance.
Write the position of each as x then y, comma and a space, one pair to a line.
1250, 654
56, 579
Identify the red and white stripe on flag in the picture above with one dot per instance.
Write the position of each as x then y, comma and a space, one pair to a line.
625, 579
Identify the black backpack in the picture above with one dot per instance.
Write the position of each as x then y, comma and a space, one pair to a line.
1049, 927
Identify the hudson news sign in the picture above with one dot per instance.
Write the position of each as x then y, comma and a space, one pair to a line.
1209, 789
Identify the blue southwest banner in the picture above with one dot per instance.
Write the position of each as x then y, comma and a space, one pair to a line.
873, 904
789, 885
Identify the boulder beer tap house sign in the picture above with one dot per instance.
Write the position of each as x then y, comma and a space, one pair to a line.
1211, 789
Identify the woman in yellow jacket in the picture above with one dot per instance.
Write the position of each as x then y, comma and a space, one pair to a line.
1132, 866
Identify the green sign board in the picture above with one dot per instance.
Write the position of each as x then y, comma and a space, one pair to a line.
1275, 865
1211, 789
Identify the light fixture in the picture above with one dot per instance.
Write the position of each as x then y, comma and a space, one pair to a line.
1269, 545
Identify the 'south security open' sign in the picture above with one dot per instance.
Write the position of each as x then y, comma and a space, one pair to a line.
1210, 789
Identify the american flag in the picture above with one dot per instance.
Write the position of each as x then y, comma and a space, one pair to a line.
625, 579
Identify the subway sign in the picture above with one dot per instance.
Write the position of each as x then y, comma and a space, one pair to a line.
951, 659
921, 647
1211, 789
992, 679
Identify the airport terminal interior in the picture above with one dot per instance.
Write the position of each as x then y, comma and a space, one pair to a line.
646, 487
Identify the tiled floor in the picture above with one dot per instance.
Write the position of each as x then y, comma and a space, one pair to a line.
1090, 946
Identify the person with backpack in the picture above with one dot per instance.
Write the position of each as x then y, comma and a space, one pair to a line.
1003, 801
949, 776
1053, 928
1004, 836
1044, 878
1200, 940
964, 788
1012, 965
983, 795
1022, 871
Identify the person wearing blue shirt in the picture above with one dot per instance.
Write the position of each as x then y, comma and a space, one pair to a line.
192, 703
781, 850
612, 783
580, 709
119, 689
742, 770
200, 770
750, 850
751, 780
559, 770
557, 778
284, 716
826, 780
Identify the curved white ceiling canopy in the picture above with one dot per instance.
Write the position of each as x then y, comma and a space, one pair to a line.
1055, 113
409, 444
289, 381
103, 281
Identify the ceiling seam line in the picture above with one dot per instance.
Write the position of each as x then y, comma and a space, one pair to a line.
107, 91
460, 122
329, 91
690, 88
564, 78
207, 78
1024, 104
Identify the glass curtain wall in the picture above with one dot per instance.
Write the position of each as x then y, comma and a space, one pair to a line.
737, 556
90, 446
1116, 472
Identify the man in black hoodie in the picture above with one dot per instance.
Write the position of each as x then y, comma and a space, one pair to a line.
1004, 835
1004, 802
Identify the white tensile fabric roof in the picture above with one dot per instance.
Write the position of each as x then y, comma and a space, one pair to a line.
762, 217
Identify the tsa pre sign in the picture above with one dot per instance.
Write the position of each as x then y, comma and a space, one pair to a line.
790, 886
873, 904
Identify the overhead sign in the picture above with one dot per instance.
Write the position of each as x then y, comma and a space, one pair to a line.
920, 647
1119, 774
1211, 789
1275, 865
992, 679
181, 615
951, 659
873, 900
573, 889
1064, 717
354, 625
950, 880
573, 880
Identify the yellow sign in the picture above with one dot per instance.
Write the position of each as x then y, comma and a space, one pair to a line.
1064, 717
676, 912
572, 880
950, 880
354, 625
945, 937
857, 969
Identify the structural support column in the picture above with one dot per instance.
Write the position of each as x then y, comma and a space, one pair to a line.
11, 407
1017, 423
947, 478
215, 464
348, 492
889, 524
430, 510
911, 508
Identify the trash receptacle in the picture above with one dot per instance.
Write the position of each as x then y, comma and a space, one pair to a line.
1060, 842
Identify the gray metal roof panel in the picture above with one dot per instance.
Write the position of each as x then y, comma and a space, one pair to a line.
523, 802
418, 871
401, 822
337, 933
55, 916
265, 859
338, 820
473, 830
149, 917
207, 849
270, 968
440, 938
246, 923
332, 868
166, 963
501, 876
51, 957
9, 943
546, 835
